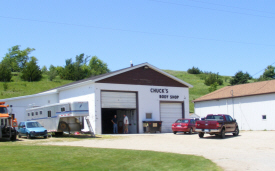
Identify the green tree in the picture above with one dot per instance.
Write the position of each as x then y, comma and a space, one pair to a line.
97, 66
32, 71
213, 78
269, 73
52, 73
240, 78
194, 70
213, 87
44, 69
5, 72
16, 58
68, 72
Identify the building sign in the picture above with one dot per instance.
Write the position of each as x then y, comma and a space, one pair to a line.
163, 93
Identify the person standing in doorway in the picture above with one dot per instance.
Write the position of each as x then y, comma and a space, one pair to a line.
114, 120
126, 123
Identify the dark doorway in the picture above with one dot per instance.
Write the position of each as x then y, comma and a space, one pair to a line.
108, 115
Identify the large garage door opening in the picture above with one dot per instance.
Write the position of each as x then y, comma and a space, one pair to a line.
169, 113
120, 104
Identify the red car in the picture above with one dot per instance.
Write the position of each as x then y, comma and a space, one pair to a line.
184, 125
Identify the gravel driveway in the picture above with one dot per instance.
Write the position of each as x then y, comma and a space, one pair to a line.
251, 150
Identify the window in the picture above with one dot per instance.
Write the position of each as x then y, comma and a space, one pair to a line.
62, 109
49, 113
32, 114
263, 116
148, 115
28, 114
40, 112
36, 113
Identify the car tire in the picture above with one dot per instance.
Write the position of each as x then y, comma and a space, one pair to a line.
223, 134
28, 136
19, 136
45, 136
175, 132
13, 137
201, 134
236, 132
191, 131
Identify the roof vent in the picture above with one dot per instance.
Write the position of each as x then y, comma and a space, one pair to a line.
131, 63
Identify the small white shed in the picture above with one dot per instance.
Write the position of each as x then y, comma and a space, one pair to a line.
252, 104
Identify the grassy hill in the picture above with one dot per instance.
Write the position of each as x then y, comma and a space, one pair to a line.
199, 88
22, 88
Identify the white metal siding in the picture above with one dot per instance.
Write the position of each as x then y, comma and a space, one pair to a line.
169, 113
118, 100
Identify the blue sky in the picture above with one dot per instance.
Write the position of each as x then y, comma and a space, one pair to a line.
213, 35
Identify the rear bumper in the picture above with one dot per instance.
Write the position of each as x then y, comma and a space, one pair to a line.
180, 129
208, 130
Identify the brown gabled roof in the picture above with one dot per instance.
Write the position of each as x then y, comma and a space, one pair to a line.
250, 89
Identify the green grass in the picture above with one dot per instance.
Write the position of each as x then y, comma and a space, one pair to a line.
22, 88
17, 87
32, 157
199, 88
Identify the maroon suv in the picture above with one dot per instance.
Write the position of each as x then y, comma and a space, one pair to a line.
184, 125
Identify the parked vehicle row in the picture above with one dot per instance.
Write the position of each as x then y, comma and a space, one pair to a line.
217, 125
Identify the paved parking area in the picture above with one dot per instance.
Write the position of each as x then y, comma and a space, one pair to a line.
251, 150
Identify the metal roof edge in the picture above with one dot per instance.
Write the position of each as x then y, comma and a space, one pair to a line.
33, 95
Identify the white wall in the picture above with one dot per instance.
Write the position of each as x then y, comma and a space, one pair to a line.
81, 93
247, 110
148, 102
20, 104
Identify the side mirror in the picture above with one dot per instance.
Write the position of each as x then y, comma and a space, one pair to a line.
234, 120
24, 126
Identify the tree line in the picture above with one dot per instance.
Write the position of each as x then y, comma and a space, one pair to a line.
20, 61
213, 80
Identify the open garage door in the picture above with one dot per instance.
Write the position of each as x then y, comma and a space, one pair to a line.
169, 113
118, 103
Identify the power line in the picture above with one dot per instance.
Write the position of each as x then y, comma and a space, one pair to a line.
136, 31
172, 3
262, 70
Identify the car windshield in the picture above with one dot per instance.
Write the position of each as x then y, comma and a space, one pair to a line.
33, 125
182, 121
3, 110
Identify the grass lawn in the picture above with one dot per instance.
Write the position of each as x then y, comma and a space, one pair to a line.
29, 157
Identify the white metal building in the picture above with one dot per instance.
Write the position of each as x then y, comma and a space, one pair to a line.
252, 104
142, 92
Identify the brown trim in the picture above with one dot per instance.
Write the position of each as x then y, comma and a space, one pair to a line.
137, 111
183, 111
141, 76
230, 97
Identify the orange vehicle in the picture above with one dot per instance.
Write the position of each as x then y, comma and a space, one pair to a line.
7, 123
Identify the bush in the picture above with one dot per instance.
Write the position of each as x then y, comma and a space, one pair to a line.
5, 85
213, 78
213, 87
194, 70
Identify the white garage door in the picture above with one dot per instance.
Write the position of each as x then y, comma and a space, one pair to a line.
169, 113
113, 100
